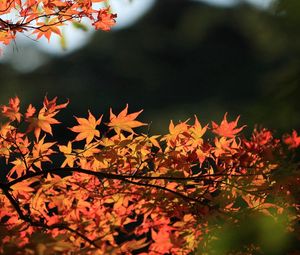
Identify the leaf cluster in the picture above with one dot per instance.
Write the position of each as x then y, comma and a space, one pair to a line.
44, 18
122, 192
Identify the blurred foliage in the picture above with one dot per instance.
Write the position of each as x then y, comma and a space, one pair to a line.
182, 58
253, 234
40, 244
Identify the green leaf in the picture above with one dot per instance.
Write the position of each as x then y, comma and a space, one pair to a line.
63, 42
80, 26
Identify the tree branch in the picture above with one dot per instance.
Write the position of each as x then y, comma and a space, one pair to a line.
26, 218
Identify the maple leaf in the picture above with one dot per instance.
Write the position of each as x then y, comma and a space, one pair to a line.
134, 245
124, 122
23, 189
87, 128
23, 186
227, 129
22, 144
30, 111
105, 20
222, 145
12, 110
203, 153
19, 167
197, 130
51, 106
67, 150
42, 122
46, 29
6, 37
162, 243
42, 150
293, 141
153, 140
45, 117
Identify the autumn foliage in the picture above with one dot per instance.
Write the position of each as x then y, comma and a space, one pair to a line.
113, 190
43, 18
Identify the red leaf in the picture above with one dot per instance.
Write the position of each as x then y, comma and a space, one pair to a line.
227, 129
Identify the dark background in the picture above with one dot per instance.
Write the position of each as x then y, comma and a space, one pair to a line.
181, 58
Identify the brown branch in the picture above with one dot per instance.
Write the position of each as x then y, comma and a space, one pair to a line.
67, 170
4, 10
165, 189
124, 178
26, 25
128, 179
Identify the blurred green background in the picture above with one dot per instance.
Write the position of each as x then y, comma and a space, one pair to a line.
181, 58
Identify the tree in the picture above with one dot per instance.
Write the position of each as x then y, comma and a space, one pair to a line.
111, 190
45, 17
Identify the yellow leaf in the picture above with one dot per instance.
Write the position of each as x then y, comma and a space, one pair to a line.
87, 128
124, 122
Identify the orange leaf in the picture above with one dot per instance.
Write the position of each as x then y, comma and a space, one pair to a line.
124, 122
293, 141
23, 186
67, 150
12, 110
42, 122
42, 150
87, 128
134, 245
30, 111
105, 20
227, 129
197, 130
51, 105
